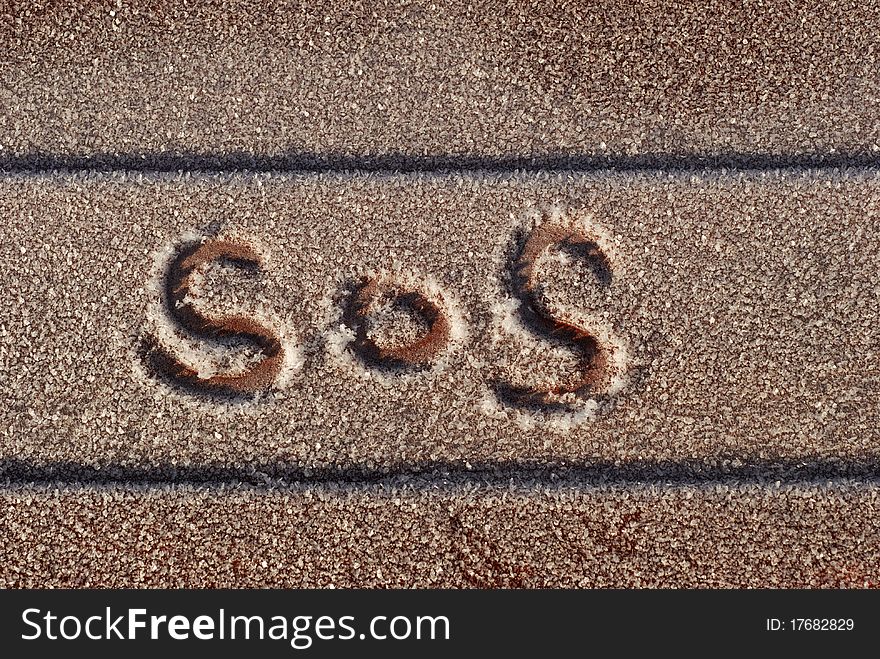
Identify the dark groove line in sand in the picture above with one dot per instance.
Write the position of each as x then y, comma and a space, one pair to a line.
435, 475
305, 162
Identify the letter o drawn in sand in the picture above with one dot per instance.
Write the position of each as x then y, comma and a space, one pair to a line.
258, 377
596, 369
419, 352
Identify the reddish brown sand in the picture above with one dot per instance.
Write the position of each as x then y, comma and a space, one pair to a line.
818, 535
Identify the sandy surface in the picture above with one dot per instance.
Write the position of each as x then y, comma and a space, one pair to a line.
273, 84
740, 312
680, 389
724, 536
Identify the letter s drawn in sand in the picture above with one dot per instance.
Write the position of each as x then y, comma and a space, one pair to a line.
596, 357
179, 305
